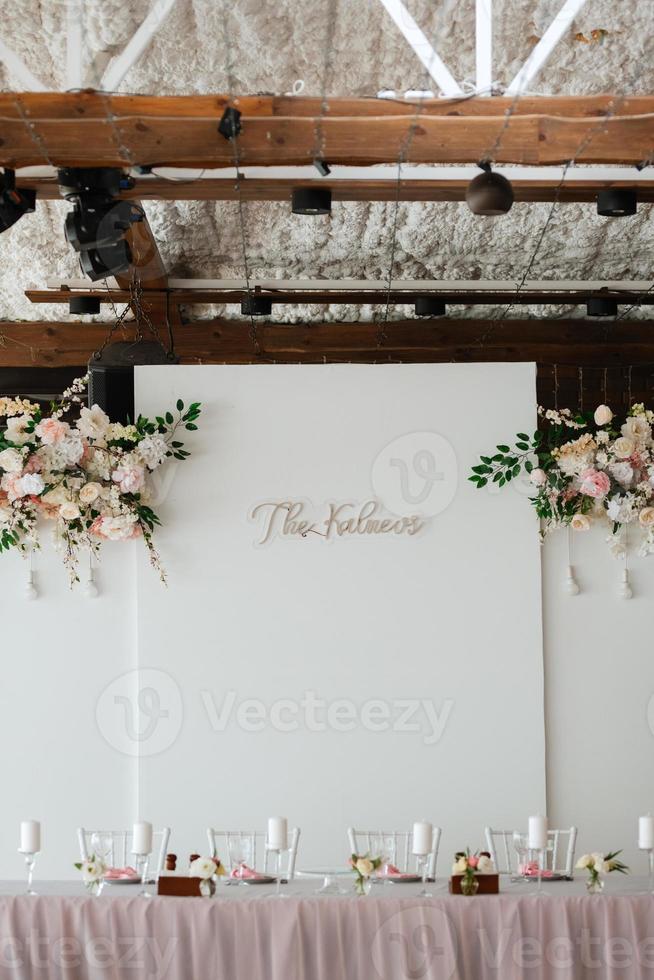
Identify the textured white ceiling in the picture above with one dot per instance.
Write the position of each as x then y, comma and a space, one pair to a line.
275, 43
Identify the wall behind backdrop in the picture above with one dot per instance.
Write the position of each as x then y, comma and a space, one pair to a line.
332, 680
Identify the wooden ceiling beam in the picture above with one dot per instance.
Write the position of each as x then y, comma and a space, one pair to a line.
281, 189
220, 297
97, 129
564, 341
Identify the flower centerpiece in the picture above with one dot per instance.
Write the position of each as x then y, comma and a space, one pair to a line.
89, 476
584, 468
93, 872
599, 864
363, 866
206, 869
469, 866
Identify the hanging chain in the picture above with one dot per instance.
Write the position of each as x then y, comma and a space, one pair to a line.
556, 387
581, 388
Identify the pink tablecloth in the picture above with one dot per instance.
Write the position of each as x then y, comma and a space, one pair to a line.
385, 936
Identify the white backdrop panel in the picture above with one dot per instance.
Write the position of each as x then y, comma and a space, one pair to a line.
448, 620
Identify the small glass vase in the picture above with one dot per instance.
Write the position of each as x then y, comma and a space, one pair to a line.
469, 885
94, 888
207, 887
594, 885
362, 886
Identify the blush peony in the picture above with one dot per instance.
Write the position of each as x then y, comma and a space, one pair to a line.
594, 483
52, 431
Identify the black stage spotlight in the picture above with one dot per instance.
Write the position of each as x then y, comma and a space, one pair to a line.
254, 305
429, 306
489, 194
95, 222
617, 202
83, 305
601, 306
14, 203
111, 376
312, 200
110, 260
101, 182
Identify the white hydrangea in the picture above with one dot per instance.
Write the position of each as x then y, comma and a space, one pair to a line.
152, 451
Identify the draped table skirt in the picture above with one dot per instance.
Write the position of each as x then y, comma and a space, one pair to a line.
62, 934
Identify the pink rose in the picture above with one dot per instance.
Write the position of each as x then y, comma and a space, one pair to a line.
51, 431
33, 465
473, 861
594, 483
11, 486
130, 479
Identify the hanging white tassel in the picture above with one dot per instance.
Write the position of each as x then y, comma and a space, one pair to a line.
571, 586
624, 589
90, 588
30, 587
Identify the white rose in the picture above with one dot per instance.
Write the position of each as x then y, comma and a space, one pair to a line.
622, 472
204, 868
485, 866
637, 429
603, 415
624, 447
538, 477
16, 429
69, 511
580, 522
646, 516
459, 867
93, 871
31, 484
93, 423
599, 864
11, 461
365, 867
583, 862
90, 492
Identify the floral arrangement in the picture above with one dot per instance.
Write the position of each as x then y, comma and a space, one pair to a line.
90, 477
598, 865
363, 866
206, 869
584, 468
93, 872
468, 865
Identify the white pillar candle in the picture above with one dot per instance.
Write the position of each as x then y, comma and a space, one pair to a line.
277, 834
142, 837
537, 837
422, 837
646, 832
30, 836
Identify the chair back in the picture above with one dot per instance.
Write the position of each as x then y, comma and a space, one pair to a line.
398, 842
234, 847
119, 844
561, 845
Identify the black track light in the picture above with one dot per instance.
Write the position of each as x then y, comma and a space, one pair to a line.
101, 182
14, 203
601, 306
109, 260
489, 193
253, 305
312, 200
82, 305
429, 306
617, 202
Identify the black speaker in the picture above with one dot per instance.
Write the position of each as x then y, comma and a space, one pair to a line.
111, 376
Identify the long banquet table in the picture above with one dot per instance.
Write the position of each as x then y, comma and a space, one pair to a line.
392, 934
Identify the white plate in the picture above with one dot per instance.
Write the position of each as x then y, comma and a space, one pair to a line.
136, 880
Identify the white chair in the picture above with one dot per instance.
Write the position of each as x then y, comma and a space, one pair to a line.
234, 847
118, 853
561, 846
365, 842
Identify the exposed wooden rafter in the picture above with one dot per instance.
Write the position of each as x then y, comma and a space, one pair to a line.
95, 129
564, 341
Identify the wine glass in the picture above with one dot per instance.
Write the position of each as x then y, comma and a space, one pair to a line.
521, 847
102, 845
240, 853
